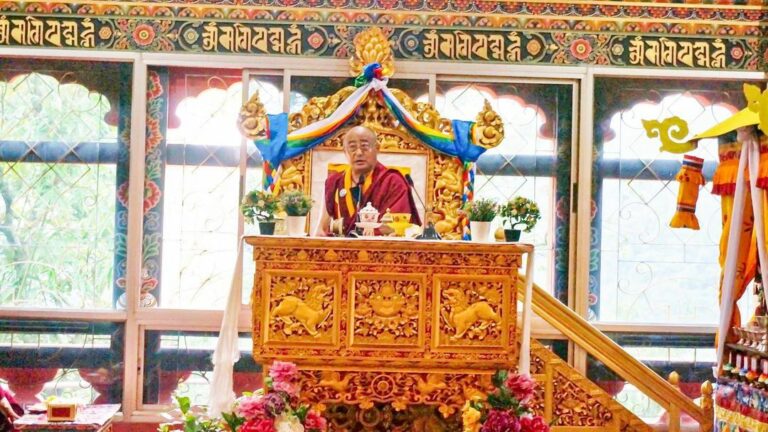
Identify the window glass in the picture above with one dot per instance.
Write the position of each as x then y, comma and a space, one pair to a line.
58, 182
647, 271
527, 163
203, 151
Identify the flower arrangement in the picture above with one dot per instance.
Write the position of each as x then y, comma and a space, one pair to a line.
506, 409
277, 410
481, 210
521, 211
260, 206
296, 203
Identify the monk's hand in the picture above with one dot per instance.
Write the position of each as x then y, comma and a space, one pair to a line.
7, 409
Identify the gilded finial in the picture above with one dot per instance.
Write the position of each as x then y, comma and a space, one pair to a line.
253, 118
372, 46
674, 379
706, 396
489, 128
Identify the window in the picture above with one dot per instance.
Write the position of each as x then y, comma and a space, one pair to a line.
193, 160
533, 160
60, 159
647, 271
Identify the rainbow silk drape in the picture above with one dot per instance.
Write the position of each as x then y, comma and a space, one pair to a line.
279, 145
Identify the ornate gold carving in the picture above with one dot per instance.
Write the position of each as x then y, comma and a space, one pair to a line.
489, 128
574, 407
470, 311
448, 190
569, 398
253, 118
300, 307
386, 418
400, 388
387, 310
372, 46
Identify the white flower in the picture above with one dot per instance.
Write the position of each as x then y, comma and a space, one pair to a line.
288, 423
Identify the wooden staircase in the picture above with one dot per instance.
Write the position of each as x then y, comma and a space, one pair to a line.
573, 403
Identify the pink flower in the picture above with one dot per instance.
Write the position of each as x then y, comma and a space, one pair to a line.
315, 422
288, 387
258, 425
522, 387
251, 408
283, 372
533, 424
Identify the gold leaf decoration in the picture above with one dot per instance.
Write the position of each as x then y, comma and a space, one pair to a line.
372, 46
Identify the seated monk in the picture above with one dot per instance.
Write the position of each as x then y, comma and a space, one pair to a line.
10, 410
364, 181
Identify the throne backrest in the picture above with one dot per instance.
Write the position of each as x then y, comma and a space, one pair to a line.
437, 177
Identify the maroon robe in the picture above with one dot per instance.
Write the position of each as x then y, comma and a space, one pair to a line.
388, 190
5, 422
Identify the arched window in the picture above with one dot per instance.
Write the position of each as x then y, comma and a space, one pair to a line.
58, 160
532, 161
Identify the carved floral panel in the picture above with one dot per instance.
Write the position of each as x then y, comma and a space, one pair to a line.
387, 309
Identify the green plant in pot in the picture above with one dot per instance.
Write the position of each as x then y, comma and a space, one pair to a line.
296, 206
481, 213
519, 214
259, 206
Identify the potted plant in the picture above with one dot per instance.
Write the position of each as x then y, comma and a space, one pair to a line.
519, 212
296, 206
261, 207
480, 213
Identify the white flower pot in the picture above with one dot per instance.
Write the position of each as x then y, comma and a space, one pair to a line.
480, 231
296, 225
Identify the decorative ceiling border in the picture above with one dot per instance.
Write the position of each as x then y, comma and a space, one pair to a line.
701, 36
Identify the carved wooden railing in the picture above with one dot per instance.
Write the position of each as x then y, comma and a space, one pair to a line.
600, 346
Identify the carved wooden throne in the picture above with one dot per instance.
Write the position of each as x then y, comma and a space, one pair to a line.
443, 185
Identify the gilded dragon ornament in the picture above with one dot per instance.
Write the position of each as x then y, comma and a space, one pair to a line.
444, 173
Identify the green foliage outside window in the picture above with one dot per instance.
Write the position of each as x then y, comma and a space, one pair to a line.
56, 219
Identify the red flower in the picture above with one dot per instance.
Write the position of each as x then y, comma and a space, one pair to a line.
581, 49
153, 134
315, 40
154, 89
522, 387
500, 421
315, 422
533, 424
122, 194
262, 425
152, 195
143, 34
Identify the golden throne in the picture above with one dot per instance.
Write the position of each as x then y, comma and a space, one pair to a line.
442, 185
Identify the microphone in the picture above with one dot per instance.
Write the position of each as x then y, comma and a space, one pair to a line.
409, 180
429, 232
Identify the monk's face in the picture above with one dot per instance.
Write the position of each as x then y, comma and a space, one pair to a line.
361, 151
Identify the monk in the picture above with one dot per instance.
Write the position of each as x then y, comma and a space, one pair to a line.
365, 180
10, 410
